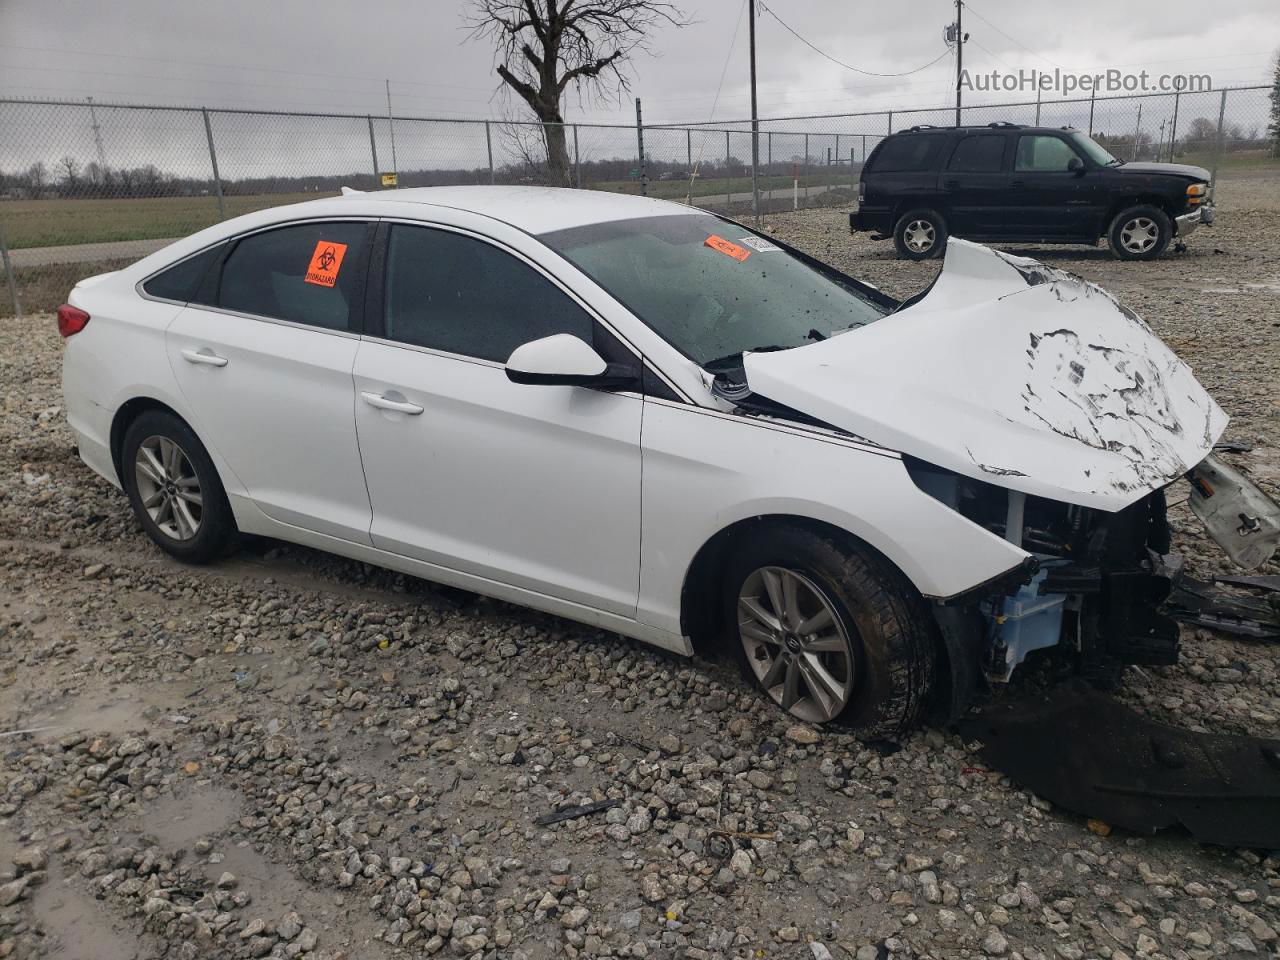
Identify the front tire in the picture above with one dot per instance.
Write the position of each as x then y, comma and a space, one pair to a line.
830, 632
174, 488
1139, 233
920, 234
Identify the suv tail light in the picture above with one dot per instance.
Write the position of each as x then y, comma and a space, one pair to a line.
71, 319
862, 190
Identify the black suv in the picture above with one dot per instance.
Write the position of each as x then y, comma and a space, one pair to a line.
1010, 183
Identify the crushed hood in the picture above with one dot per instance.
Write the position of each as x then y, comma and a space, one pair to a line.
1014, 373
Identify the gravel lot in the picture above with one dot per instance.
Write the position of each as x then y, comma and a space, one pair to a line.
290, 754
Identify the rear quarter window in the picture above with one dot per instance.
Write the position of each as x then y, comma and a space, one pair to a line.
182, 280
905, 154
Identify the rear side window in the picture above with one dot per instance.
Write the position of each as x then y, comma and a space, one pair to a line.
981, 153
182, 280
451, 292
306, 273
904, 154
1043, 154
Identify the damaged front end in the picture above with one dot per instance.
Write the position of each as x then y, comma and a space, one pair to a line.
1035, 405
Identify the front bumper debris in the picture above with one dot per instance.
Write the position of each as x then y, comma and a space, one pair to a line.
1186, 224
1242, 519
1098, 758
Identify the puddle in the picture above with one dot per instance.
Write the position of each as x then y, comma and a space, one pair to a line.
1266, 285
178, 820
116, 712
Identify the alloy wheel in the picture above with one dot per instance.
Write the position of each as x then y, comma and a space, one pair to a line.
919, 236
169, 488
1139, 234
796, 644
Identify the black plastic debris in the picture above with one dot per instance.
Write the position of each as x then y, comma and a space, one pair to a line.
1196, 602
573, 813
1094, 756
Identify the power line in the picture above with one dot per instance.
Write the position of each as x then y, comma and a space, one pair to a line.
1014, 40
841, 63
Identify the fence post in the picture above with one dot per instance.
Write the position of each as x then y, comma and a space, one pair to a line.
1173, 128
688, 150
373, 149
1037, 105
644, 186
1092, 99
9, 275
577, 164
728, 192
853, 180
837, 153
213, 160
891, 121
488, 149
864, 148
804, 169
768, 164
1222, 112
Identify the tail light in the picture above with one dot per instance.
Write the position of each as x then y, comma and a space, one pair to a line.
71, 319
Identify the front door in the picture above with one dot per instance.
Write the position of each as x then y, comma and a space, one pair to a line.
1055, 196
533, 486
265, 368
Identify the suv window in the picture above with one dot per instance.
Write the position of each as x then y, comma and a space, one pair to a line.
304, 273
451, 292
182, 280
1043, 154
908, 153
979, 153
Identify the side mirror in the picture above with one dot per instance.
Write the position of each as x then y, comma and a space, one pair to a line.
564, 360
1076, 166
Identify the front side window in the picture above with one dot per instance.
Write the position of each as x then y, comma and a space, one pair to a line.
982, 153
305, 273
451, 292
1043, 155
713, 289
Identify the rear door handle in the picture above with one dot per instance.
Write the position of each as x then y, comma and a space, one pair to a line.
204, 355
1017, 183
950, 184
387, 403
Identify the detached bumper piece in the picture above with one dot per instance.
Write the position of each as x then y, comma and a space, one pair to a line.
1202, 604
1097, 758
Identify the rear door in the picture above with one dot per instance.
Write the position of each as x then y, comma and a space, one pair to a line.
975, 184
264, 362
903, 172
533, 486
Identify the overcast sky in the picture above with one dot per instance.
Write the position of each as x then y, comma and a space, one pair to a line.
327, 55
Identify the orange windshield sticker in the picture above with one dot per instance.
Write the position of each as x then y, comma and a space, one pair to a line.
326, 261
728, 249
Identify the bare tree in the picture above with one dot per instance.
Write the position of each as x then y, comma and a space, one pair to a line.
546, 47
70, 167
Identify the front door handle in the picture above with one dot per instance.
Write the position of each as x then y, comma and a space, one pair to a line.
1017, 183
387, 403
204, 355
950, 184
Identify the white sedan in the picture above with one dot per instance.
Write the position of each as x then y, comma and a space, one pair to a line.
650, 419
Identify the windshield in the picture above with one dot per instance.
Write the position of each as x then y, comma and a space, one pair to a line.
711, 289
1093, 150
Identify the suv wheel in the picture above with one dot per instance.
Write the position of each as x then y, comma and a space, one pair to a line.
174, 489
1140, 233
830, 632
920, 234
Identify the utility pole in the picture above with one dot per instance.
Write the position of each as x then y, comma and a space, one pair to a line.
959, 53
755, 117
97, 135
642, 172
392, 124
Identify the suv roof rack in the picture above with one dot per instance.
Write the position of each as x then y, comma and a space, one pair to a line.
1004, 123
920, 126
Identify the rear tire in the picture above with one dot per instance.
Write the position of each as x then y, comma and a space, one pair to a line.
174, 489
1139, 233
920, 234
847, 606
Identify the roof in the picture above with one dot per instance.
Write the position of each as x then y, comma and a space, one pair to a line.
981, 128
535, 209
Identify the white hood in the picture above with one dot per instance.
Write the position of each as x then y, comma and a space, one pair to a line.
1014, 373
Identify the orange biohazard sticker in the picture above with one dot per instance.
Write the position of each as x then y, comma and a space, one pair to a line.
326, 261
727, 248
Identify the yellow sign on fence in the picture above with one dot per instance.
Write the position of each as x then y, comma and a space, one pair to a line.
389, 180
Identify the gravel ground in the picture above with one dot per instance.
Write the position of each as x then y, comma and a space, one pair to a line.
289, 754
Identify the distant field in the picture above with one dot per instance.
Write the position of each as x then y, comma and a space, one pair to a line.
710, 187
50, 223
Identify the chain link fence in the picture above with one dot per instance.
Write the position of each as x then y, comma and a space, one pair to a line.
90, 187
